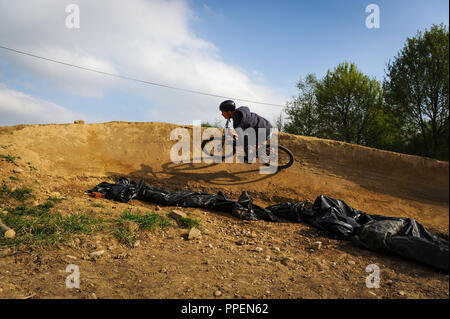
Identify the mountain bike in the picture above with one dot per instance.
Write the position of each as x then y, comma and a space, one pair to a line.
220, 148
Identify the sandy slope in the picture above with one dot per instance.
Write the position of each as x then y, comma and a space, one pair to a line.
72, 158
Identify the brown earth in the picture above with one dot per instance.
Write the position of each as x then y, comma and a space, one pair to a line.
241, 259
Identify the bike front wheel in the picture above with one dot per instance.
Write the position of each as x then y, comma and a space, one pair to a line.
281, 157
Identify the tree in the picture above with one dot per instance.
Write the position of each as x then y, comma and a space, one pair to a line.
383, 131
302, 117
345, 105
417, 87
279, 122
347, 102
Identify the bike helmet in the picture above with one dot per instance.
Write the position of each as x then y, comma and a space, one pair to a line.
227, 105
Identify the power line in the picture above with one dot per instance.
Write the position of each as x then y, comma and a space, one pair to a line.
136, 80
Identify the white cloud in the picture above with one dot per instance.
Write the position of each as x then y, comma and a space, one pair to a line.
149, 40
258, 76
19, 108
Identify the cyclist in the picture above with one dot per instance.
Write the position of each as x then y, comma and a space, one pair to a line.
244, 119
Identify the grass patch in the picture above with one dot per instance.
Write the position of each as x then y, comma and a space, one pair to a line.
125, 236
186, 222
11, 159
37, 226
128, 220
56, 200
82, 224
13, 178
19, 193
97, 205
41, 227
148, 221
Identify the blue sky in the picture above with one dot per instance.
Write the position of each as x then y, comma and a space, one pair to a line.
287, 38
254, 50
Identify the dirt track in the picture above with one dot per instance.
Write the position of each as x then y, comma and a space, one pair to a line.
71, 158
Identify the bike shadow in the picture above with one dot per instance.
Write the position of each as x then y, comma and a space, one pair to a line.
203, 173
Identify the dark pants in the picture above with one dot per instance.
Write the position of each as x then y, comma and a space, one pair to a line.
257, 142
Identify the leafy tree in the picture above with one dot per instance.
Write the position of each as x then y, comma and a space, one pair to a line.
217, 123
383, 131
302, 117
417, 87
347, 103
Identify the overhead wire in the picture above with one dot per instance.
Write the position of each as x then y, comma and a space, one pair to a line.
136, 80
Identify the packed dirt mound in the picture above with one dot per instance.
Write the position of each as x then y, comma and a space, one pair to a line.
368, 179
71, 158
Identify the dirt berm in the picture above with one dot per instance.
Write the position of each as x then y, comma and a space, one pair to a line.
240, 259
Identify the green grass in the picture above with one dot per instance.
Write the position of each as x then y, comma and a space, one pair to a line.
148, 221
13, 178
186, 222
19, 193
56, 199
125, 236
11, 159
37, 226
82, 224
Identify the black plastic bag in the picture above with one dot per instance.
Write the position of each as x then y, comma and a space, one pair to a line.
392, 235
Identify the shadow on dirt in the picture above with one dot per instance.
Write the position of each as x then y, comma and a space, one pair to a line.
184, 173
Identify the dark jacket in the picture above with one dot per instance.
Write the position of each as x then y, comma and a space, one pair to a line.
243, 118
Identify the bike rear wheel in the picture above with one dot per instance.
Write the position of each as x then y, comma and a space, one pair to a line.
218, 148
285, 157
